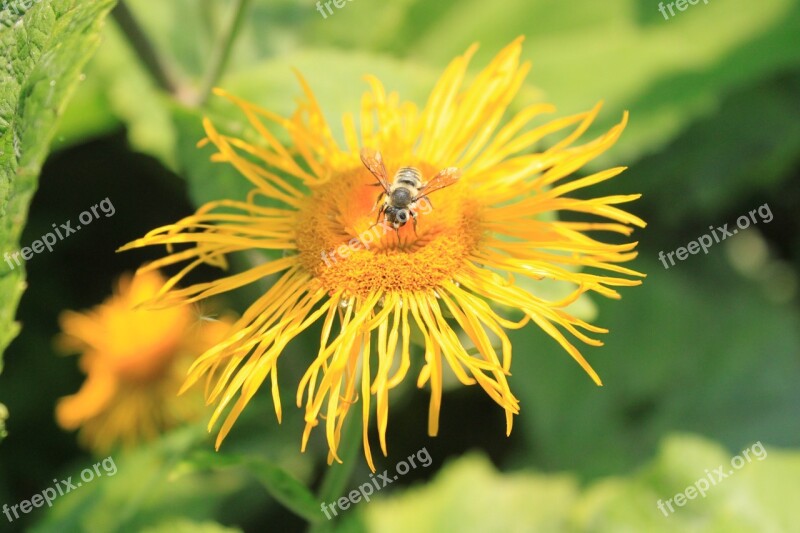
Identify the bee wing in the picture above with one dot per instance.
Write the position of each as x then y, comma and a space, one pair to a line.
443, 179
374, 162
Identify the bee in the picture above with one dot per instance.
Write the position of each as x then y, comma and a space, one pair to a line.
406, 189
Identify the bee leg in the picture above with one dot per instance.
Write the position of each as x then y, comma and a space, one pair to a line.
380, 212
414, 218
378, 201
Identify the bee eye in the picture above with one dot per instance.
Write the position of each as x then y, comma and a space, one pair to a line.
402, 216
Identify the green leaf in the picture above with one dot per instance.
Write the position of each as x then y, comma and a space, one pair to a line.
202, 460
287, 490
279, 483
89, 113
44, 51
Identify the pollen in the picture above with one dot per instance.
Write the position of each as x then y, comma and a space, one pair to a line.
350, 249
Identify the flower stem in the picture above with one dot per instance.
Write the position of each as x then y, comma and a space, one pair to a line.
208, 15
155, 65
222, 51
337, 475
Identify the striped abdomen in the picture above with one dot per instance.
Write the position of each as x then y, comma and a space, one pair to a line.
408, 176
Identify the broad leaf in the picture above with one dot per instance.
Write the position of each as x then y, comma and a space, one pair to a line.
44, 50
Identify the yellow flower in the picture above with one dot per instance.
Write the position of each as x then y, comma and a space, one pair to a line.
135, 361
463, 257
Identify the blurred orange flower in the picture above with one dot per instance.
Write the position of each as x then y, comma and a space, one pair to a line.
134, 360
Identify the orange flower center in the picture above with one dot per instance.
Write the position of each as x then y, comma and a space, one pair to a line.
348, 247
144, 342
138, 345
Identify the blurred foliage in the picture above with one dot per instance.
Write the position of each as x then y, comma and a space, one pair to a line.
707, 347
685, 352
282, 486
141, 492
667, 73
468, 494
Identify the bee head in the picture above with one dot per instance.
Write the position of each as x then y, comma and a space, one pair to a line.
402, 216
